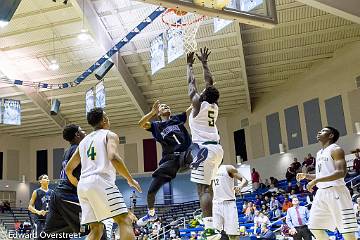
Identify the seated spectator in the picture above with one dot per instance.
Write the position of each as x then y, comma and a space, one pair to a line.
266, 233
274, 181
274, 203
250, 217
284, 230
286, 205
260, 219
296, 165
257, 201
249, 207
265, 210
255, 178
289, 187
290, 173
276, 214
267, 183
308, 164
266, 201
356, 163
274, 189
244, 205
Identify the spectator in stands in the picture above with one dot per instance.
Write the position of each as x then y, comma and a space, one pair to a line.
266, 201
277, 213
259, 220
297, 219
249, 207
274, 190
287, 204
6, 206
255, 178
274, 181
308, 164
266, 233
267, 183
274, 203
289, 187
250, 216
265, 210
290, 173
244, 206
284, 230
356, 163
296, 165
134, 199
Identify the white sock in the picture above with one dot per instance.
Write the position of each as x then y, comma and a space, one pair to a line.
151, 212
208, 222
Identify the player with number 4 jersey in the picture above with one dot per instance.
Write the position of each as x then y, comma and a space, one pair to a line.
99, 196
202, 122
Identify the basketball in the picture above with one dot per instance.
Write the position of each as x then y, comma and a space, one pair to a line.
217, 4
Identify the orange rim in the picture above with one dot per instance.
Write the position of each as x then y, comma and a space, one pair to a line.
178, 25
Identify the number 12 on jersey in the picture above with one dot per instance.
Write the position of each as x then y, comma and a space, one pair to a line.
91, 153
211, 118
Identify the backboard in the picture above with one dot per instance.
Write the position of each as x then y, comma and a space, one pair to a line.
261, 13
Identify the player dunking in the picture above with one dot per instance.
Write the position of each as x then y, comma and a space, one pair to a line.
202, 122
225, 214
99, 197
171, 133
332, 205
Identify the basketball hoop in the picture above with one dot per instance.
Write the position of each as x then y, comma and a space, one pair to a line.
189, 23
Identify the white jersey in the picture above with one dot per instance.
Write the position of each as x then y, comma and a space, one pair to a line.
94, 160
203, 126
223, 186
325, 166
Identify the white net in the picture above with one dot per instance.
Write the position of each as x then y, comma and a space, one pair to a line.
189, 23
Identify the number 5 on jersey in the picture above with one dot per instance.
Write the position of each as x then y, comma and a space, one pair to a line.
211, 118
91, 153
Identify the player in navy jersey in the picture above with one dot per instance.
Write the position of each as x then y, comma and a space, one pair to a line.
39, 203
64, 207
175, 141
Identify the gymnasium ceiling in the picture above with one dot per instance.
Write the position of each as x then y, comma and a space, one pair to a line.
304, 36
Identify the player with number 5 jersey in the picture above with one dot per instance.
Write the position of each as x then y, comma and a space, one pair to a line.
202, 122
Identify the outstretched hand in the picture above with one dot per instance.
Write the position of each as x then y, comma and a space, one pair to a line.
190, 58
155, 107
133, 183
204, 54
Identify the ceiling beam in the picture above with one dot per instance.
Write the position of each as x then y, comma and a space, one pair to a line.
349, 9
103, 37
243, 76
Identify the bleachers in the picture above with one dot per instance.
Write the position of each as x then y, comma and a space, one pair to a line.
8, 218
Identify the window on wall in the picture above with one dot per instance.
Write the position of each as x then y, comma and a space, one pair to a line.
1, 164
41, 163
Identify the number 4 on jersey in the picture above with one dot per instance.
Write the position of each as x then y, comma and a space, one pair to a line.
91, 153
211, 118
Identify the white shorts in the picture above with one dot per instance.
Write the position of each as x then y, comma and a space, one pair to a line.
99, 199
208, 168
332, 208
225, 217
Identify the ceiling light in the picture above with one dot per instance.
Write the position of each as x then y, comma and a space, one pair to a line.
84, 35
3, 23
54, 65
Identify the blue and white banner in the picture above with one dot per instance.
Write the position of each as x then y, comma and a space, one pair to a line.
89, 100
12, 112
175, 44
157, 54
100, 95
135, 31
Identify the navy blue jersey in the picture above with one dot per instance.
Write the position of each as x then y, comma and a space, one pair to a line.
171, 134
42, 200
65, 183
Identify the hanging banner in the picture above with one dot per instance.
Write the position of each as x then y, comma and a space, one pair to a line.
100, 95
175, 42
157, 54
89, 100
12, 112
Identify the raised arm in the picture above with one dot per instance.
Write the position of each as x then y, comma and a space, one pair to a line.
203, 57
193, 93
71, 165
234, 173
117, 161
145, 120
